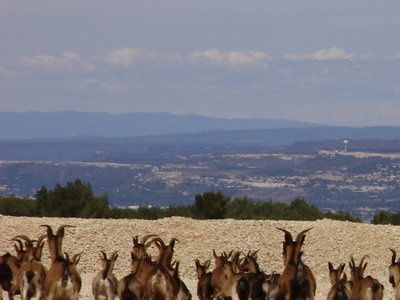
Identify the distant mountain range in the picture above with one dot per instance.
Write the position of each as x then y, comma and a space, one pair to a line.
64, 124
155, 147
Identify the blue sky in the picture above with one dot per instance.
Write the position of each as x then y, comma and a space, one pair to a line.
335, 62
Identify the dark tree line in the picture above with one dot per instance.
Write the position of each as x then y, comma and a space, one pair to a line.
76, 199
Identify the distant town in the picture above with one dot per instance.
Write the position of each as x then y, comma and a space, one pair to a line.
358, 181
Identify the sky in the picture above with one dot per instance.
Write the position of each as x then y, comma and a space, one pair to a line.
333, 62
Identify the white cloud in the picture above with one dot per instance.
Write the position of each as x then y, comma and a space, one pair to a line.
64, 62
125, 57
233, 58
333, 53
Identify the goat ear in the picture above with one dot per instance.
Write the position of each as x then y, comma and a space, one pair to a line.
331, 269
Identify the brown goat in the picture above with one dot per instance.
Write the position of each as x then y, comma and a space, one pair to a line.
183, 291
341, 288
31, 251
63, 280
394, 274
105, 283
150, 280
139, 248
204, 289
165, 252
262, 286
297, 280
9, 265
364, 288
218, 272
129, 288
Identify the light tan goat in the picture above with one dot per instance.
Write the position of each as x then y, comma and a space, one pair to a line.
341, 288
394, 274
164, 260
63, 280
297, 280
105, 283
233, 284
364, 288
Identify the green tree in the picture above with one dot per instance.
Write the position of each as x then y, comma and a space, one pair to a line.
211, 205
76, 199
13, 206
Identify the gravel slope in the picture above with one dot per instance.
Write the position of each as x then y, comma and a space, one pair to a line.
328, 241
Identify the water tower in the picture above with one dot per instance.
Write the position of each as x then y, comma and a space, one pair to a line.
345, 143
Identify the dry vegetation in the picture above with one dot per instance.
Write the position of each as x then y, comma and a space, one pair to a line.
328, 241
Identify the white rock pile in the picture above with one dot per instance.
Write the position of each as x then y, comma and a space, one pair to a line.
328, 241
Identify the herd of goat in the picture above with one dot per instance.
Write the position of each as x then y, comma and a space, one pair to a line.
235, 276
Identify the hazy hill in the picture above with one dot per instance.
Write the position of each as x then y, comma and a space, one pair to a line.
72, 123
150, 147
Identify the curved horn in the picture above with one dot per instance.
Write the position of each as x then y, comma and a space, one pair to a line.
25, 238
41, 238
146, 237
62, 227
104, 254
20, 244
114, 255
174, 240
393, 255
352, 263
75, 258
288, 235
49, 230
362, 260
301, 234
156, 239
